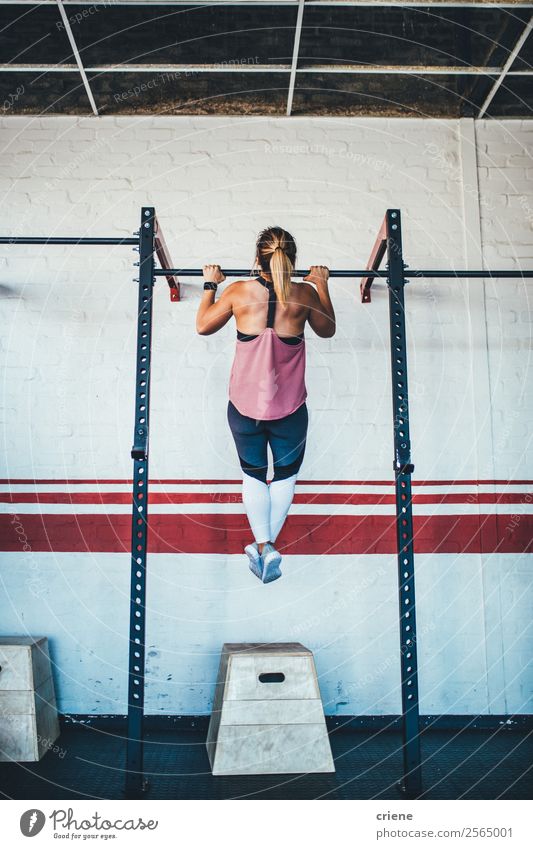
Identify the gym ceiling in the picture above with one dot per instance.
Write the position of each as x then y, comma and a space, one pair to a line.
112, 57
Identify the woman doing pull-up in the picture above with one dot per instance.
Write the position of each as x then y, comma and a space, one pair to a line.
267, 391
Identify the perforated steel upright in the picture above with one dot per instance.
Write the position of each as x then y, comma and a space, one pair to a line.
139, 532
403, 467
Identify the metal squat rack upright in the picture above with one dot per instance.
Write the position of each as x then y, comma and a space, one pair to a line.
150, 239
389, 241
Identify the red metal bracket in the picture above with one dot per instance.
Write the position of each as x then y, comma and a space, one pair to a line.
165, 261
378, 252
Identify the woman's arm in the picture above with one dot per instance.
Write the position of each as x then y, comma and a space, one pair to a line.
212, 315
321, 313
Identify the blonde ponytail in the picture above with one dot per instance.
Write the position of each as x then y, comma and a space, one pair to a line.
276, 252
281, 269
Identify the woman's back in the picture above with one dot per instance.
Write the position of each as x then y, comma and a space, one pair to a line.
267, 378
250, 308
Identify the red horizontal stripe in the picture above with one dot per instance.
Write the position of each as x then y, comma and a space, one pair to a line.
75, 481
421, 482
367, 482
228, 533
235, 497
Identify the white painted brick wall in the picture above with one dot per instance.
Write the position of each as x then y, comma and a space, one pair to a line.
506, 180
68, 371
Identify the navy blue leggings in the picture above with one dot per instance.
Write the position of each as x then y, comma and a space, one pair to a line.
285, 436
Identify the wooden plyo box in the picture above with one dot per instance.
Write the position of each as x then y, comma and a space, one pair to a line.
267, 713
28, 715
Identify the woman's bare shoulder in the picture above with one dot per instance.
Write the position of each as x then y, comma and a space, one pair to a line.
241, 288
245, 283
304, 291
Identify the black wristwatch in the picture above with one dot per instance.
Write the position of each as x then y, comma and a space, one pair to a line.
208, 284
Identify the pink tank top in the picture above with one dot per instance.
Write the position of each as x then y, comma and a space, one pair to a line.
267, 379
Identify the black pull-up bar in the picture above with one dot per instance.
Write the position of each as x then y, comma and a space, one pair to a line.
246, 272
350, 272
367, 274
65, 240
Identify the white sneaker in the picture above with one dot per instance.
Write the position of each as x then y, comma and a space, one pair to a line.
271, 561
256, 562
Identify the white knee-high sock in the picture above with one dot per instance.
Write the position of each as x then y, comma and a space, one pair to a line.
256, 500
281, 495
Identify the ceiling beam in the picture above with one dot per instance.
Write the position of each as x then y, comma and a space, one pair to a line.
481, 4
506, 68
79, 63
295, 52
220, 68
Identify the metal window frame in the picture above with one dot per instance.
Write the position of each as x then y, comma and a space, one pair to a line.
506, 70
292, 69
295, 52
79, 63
